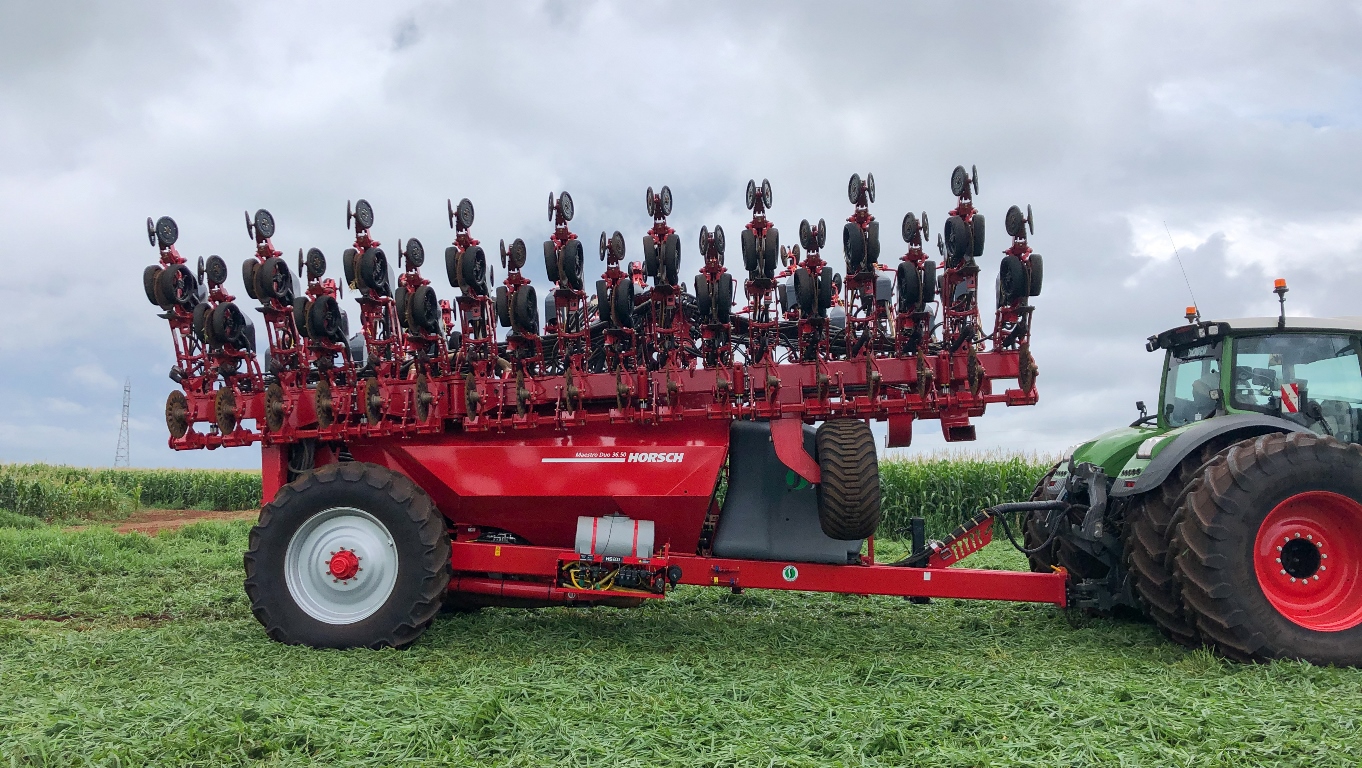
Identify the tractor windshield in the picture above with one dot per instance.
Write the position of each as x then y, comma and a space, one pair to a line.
1193, 374
1313, 380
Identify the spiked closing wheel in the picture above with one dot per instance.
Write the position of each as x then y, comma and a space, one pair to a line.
224, 410
177, 414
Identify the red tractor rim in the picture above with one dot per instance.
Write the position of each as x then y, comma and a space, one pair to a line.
1308, 560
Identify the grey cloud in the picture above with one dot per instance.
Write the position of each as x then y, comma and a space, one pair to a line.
1233, 123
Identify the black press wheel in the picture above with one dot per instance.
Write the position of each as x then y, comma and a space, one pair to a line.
525, 311
1270, 558
909, 286
849, 495
351, 555
723, 298
473, 270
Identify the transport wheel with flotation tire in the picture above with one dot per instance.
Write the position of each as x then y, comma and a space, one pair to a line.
1146, 540
1270, 550
849, 494
351, 555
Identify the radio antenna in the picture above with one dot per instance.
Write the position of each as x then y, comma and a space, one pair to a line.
1195, 306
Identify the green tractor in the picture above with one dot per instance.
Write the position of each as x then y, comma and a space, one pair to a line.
1232, 515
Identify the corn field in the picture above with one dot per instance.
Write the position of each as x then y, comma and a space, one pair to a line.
943, 489
60, 493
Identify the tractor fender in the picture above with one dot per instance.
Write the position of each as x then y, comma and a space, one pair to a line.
1241, 425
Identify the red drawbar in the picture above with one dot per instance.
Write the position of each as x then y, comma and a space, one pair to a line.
468, 558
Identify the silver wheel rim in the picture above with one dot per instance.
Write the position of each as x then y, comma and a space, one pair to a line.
307, 565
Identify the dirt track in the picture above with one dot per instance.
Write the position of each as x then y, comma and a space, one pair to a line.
149, 521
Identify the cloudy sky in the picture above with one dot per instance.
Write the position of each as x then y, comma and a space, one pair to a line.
1234, 125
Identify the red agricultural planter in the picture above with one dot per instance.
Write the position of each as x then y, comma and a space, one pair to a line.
581, 449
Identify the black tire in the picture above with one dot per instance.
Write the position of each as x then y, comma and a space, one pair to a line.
704, 305
274, 280
1037, 273
723, 298
400, 297
910, 228
1011, 279
300, 315
167, 231
602, 301
977, 235
464, 213
749, 249
1043, 559
176, 286
872, 245
669, 264
414, 253
424, 310
1218, 532
806, 291
418, 535
503, 307
473, 269
825, 290
216, 270
806, 238
373, 271
248, 268
225, 323
551, 261
364, 214
199, 323
324, 319
650, 256
622, 313
909, 285
452, 265
1146, 539
928, 283
959, 181
572, 264
316, 264
771, 254
849, 495
525, 311
853, 247
1015, 222
350, 265
149, 276
957, 236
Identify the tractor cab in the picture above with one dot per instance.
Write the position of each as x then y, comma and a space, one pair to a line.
1307, 371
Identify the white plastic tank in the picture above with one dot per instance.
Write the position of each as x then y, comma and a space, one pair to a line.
614, 536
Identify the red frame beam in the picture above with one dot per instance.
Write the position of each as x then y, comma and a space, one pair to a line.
961, 583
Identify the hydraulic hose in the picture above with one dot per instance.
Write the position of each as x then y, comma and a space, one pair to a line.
999, 513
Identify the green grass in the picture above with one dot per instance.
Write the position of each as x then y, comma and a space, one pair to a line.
124, 650
66, 494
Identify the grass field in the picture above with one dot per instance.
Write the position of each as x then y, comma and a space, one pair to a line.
127, 650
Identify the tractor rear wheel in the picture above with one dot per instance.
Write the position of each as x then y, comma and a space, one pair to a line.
1270, 550
350, 555
849, 494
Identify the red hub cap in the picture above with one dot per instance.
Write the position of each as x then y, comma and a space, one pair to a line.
344, 565
1308, 559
